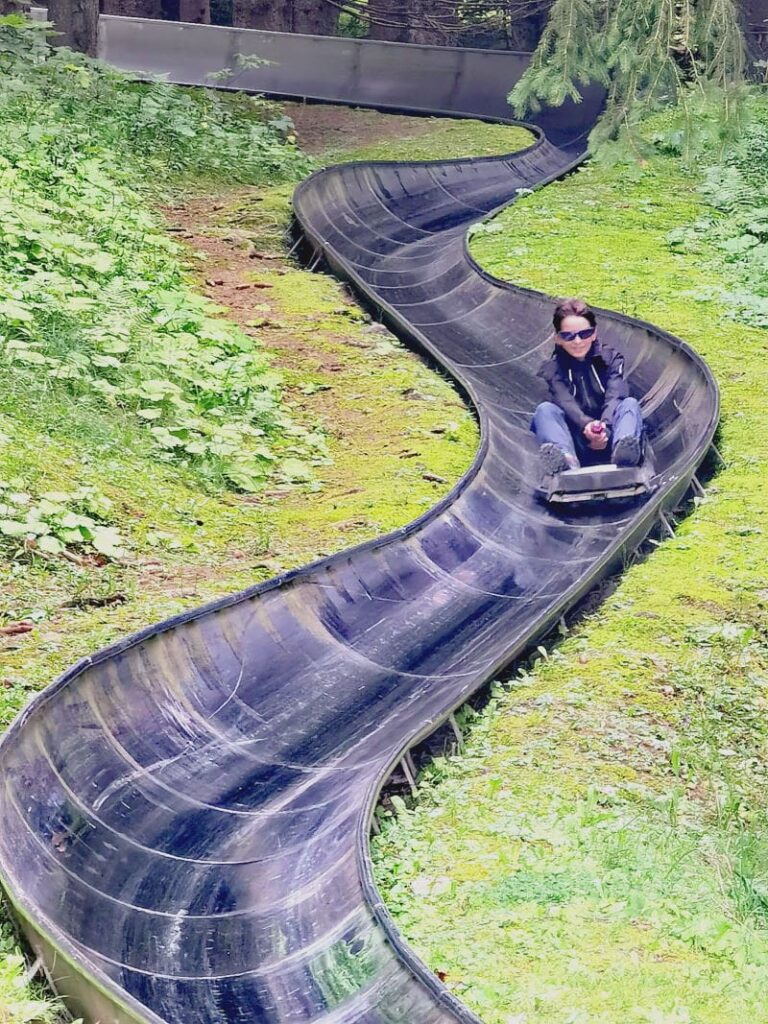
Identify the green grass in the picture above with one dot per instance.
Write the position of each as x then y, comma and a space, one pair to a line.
600, 854
20, 1002
443, 139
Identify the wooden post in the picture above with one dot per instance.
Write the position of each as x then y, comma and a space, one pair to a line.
76, 24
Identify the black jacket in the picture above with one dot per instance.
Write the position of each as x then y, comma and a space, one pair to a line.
586, 389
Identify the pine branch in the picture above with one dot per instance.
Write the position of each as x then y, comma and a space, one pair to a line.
646, 53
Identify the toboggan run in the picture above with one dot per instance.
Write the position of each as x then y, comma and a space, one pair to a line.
185, 815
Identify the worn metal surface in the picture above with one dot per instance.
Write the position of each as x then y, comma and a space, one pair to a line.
427, 78
358, 71
185, 814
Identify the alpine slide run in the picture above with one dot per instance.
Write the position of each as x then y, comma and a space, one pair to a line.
185, 815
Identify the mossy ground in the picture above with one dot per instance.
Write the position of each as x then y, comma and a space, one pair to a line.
600, 854
389, 421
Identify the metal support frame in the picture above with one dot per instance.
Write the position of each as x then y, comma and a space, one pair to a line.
456, 732
666, 525
713, 448
409, 775
35, 968
629, 558
697, 487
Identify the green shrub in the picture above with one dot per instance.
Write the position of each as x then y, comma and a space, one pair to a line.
94, 297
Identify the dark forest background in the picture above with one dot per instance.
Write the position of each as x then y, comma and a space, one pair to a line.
509, 24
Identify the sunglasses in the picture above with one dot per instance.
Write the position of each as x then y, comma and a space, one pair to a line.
573, 335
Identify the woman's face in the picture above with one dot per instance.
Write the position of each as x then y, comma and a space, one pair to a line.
578, 347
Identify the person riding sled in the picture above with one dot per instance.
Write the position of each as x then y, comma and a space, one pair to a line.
591, 417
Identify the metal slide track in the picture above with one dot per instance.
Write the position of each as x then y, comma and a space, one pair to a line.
185, 814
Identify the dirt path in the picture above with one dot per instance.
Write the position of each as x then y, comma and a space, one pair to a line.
323, 128
398, 434
335, 132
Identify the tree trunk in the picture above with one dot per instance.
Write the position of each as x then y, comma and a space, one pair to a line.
196, 11
221, 12
432, 24
133, 8
13, 7
77, 24
525, 33
389, 20
315, 17
269, 15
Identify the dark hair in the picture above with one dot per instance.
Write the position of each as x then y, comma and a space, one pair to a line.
572, 307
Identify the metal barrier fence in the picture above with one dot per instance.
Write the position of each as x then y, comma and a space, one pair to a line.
340, 70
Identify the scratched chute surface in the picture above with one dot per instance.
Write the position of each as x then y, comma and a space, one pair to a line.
184, 815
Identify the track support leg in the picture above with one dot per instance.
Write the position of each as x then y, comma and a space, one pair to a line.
410, 773
718, 456
457, 733
697, 486
33, 970
666, 525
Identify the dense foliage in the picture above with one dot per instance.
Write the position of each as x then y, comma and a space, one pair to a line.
94, 297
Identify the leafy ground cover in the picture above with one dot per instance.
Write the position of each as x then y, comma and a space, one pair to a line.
365, 436
600, 853
94, 306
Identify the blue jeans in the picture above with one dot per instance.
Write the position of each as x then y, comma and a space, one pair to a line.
550, 425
